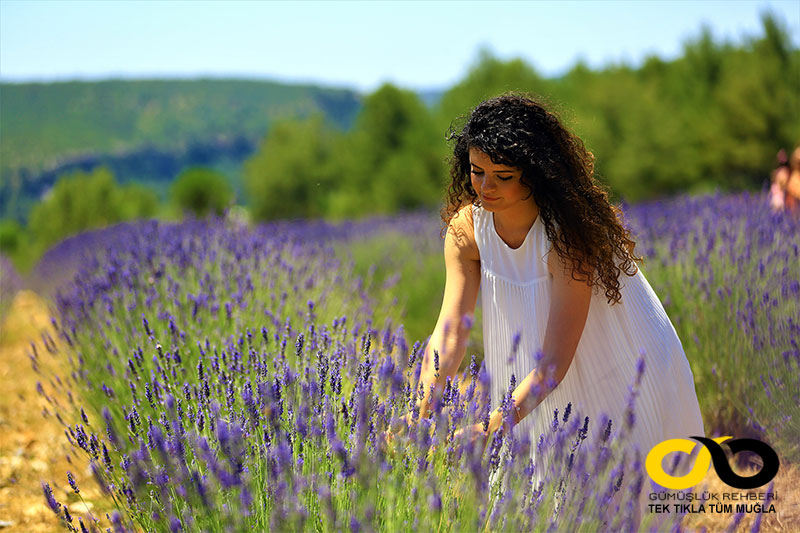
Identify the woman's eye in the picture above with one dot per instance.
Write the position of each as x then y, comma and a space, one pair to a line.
475, 172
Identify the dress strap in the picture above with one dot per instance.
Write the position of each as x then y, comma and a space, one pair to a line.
479, 229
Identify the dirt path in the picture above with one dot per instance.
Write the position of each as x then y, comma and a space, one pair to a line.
33, 447
787, 505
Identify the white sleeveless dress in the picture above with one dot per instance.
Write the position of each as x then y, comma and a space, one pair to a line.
515, 298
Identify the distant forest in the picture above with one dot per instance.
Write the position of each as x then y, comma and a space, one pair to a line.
146, 131
713, 118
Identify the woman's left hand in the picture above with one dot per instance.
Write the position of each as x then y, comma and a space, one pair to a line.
475, 434
472, 434
403, 426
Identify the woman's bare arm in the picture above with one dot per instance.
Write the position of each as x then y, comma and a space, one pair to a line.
450, 335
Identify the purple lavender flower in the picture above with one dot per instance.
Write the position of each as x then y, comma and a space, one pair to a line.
277, 279
413, 356
435, 502
473, 366
640, 365
737, 518
514, 347
116, 521
175, 525
51, 501
567, 412
72, 484
607, 432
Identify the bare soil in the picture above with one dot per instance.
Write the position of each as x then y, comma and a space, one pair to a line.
33, 447
787, 503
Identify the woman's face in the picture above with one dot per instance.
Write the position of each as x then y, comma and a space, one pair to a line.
498, 186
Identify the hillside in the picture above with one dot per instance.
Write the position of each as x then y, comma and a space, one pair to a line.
49, 128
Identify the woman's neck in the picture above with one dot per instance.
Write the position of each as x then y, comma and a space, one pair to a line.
517, 220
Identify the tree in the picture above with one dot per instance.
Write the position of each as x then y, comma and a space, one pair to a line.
759, 110
392, 158
11, 236
201, 191
80, 201
293, 172
488, 77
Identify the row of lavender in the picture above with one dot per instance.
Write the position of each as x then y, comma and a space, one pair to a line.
227, 378
728, 271
234, 379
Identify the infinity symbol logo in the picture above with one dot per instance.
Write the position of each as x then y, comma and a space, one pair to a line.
711, 451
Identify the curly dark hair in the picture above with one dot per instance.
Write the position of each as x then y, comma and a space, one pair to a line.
586, 230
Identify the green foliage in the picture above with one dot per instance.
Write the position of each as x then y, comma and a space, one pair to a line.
387, 162
144, 128
488, 77
83, 201
402, 265
711, 119
293, 171
11, 236
113, 115
392, 160
201, 191
693, 124
16, 245
760, 110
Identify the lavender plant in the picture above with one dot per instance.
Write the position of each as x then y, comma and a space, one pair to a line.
229, 378
217, 385
728, 270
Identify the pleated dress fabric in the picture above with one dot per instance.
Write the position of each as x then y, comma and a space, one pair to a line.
515, 299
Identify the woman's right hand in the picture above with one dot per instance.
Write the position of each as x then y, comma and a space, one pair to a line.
398, 427
473, 433
405, 424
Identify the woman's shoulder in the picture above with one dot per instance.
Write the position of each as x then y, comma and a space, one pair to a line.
461, 230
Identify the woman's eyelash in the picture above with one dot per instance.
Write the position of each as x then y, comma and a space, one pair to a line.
502, 178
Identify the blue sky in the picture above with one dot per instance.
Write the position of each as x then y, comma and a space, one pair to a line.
417, 45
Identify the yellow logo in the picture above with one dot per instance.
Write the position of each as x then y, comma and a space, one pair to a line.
655, 469
710, 450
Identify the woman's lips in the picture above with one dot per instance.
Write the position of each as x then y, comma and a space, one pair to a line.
489, 198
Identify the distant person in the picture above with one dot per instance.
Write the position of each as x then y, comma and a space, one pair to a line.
792, 199
779, 180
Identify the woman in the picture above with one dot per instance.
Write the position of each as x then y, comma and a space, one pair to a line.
529, 227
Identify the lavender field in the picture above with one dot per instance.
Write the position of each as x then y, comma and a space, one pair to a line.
233, 378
